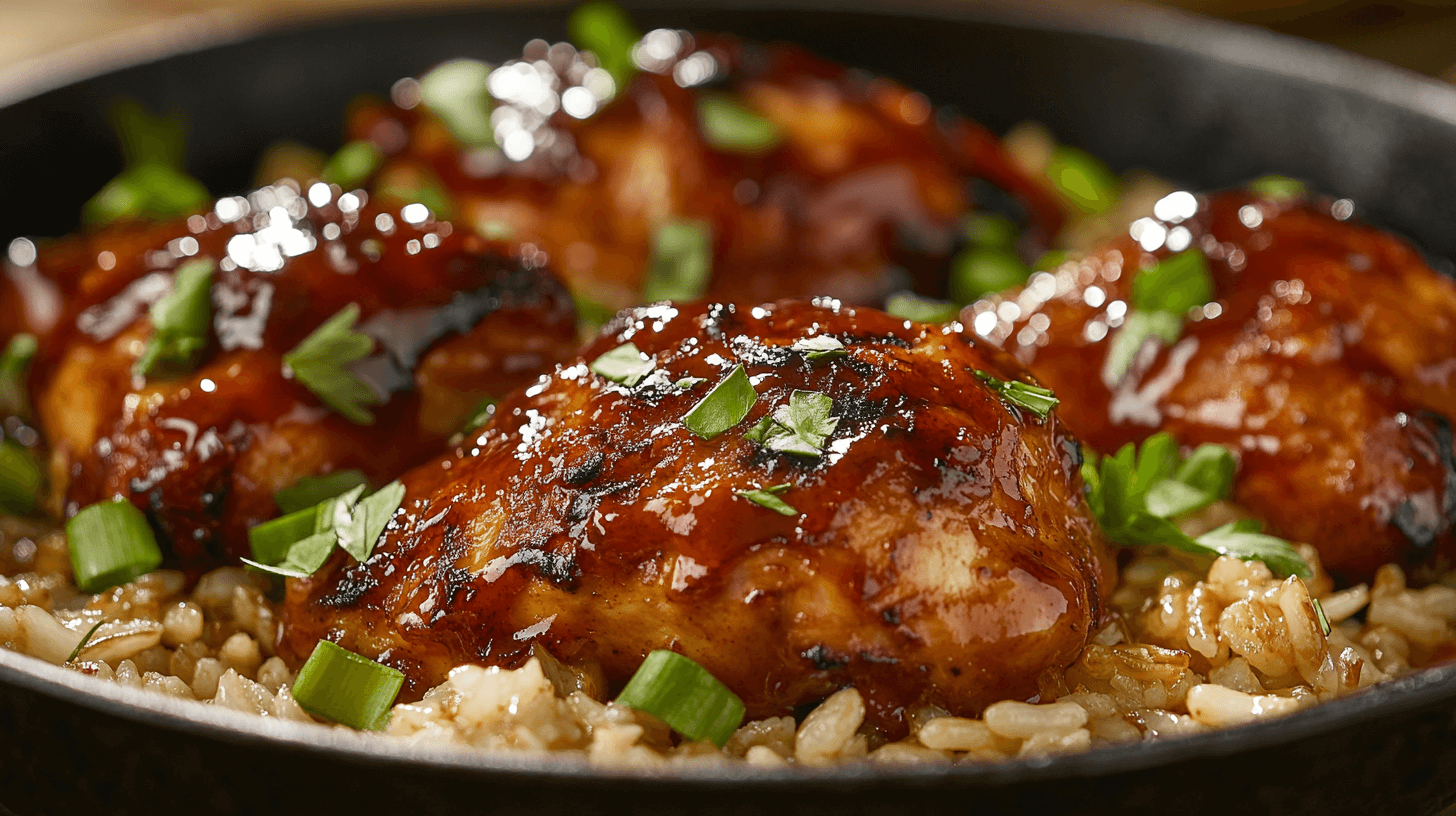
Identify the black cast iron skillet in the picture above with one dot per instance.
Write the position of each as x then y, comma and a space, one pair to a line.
1203, 103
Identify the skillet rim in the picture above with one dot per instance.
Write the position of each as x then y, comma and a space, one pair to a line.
1214, 40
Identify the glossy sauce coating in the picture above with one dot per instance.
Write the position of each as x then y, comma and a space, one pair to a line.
1324, 361
203, 452
863, 195
943, 548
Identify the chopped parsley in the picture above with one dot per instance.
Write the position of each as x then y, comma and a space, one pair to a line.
321, 364
14, 368
920, 309
625, 364
819, 348
682, 261
800, 428
1034, 398
769, 497
181, 320
297, 544
723, 407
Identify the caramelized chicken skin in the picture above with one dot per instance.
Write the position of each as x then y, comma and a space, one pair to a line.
942, 546
1324, 361
866, 177
455, 320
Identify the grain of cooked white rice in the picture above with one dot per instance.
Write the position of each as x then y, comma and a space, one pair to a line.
1187, 648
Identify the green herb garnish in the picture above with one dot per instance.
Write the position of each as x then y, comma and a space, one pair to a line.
458, 92
20, 478
625, 364
684, 695
728, 125
86, 638
181, 320
682, 261
401, 184
920, 309
1082, 179
14, 369
310, 490
321, 364
353, 164
1136, 328
1129, 493
768, 497
1319, 612
152, 183
297, 544
689, 382
1034, 398
800, 428
983, 270
604, 29
723, 407
987, 229
348, 688
819, 348
1278, 188
1176, 284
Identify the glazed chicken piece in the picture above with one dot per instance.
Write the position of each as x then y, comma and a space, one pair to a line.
939, 546
455, 320
1325, 361
862, 192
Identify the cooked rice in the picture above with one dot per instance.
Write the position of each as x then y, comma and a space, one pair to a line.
1187, 648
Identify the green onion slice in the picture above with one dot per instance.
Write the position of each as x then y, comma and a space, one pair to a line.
310, 490
682, 261
684, 695
181, 320
351, 689
1176, 284
1136, 329
1242, 539
458, 92
923, 310
989, 229
801, 428
400, 184
272, 540
625, 364
1278, 188
152, 183
819, 348
111, 543
20, 478
1082, 179
723, 407
604, 29
353, 164
728, 125
1034, 398
769, 497
321, 363
14, 368
983, 270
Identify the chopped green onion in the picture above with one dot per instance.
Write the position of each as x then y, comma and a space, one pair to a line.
591, 315
19, 478
338, 685
181, 320
819, 348
400, 184
920, 309
86, 638
980, 271
685, 696
1082, 179
690, 382
458, 92
604, 29
480, 414
14, 368
625, 364
723, 407
111, 543
682, 261
310, 490
1034, 398
1278, 188
1136, 329
321, 364
728, 125
800, 428
353, 164
1319, 612
768, 497
1176, 284
272, 540
152, 183
987, 229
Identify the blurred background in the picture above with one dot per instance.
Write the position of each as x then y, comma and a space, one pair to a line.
1416, 34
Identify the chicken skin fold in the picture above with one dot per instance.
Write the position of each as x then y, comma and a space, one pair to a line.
934, 545
1324, 359
202, 452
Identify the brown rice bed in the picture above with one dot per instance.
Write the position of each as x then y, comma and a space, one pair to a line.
1188, 649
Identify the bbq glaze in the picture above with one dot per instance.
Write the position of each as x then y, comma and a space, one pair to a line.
942, 551
455, 319
1325, 361
864, 195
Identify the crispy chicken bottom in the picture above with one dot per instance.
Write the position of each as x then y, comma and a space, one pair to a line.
202, 453
939, 548
858, 189
1325, 360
